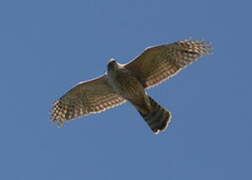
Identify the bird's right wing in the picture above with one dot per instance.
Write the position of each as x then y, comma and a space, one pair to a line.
159, 63
87, 97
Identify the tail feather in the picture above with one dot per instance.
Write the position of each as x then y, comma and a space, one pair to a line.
157, 117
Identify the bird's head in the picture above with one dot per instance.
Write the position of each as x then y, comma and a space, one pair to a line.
112, 65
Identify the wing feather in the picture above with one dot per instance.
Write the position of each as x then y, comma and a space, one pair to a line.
159, 63
87, 97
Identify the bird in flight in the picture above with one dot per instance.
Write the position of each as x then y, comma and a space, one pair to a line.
128, 82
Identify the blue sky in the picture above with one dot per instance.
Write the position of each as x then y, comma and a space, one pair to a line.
48, 46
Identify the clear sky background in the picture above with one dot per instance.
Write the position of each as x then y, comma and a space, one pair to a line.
48, 46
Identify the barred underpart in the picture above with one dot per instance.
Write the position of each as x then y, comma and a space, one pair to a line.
151, 67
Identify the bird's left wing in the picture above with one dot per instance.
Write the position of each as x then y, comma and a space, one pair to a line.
87, 97
159, 63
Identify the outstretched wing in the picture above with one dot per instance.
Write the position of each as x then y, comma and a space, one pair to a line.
87, 97
159, 63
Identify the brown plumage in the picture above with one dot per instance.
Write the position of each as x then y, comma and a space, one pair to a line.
127, 82
156, 116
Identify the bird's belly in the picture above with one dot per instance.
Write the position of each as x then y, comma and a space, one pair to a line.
127, 86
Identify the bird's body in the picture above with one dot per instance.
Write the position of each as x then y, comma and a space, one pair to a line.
127, 82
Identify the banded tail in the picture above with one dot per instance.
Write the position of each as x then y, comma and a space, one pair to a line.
157, 117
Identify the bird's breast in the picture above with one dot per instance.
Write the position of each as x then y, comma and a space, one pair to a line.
125, 84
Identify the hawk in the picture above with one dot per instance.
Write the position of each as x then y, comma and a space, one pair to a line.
127, 82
